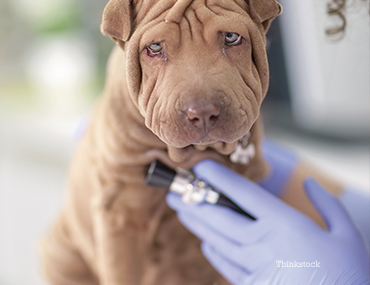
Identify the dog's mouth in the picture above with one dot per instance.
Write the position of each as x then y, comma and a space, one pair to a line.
202, 148
204, 145
216, 138
190, 155
221, 147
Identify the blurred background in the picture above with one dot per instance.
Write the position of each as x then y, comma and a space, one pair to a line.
52, 68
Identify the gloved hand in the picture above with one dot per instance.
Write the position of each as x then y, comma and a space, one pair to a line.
282, 246
282, 163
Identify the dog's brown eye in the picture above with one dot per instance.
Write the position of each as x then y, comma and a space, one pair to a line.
154, 49
232, 39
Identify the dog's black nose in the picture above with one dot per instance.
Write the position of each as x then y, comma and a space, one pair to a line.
203, 116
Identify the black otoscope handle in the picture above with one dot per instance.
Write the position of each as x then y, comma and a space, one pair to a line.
226, 202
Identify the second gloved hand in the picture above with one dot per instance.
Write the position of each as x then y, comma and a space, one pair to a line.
259, 252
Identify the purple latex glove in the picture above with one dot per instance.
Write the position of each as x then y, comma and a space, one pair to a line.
259, 252
282, 163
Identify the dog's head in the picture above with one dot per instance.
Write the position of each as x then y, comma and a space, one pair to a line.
196, 69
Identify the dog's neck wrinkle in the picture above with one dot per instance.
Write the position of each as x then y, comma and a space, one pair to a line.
132, 127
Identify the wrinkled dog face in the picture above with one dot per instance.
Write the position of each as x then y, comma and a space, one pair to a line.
200, 71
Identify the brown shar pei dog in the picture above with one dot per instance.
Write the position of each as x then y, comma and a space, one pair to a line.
185, 83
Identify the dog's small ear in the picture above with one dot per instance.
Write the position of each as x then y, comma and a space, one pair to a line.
265, 11
117, 20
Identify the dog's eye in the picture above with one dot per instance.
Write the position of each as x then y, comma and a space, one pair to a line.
154, 49
232, 39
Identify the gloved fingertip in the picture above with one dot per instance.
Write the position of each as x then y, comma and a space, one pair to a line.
311, 184
173, 200
203, 166
207, 249
315, 191
327, 205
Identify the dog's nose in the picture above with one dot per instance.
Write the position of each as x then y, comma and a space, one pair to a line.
203, 116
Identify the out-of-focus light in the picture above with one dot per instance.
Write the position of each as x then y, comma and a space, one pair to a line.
60, 68
59, 63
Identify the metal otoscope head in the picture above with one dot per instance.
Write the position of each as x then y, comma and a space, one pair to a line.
185, 183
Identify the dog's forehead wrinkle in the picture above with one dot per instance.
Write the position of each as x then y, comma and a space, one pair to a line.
149, 11
219, 7
194, 12
198, 22
188, 28
178, 8
177, 11
192, 27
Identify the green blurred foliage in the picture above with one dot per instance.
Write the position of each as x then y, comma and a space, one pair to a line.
59, 19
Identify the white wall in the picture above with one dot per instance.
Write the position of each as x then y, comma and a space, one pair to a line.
329, 81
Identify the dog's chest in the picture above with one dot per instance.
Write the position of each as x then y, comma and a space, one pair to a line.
175, 257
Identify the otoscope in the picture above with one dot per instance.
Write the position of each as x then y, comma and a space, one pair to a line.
192, 189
